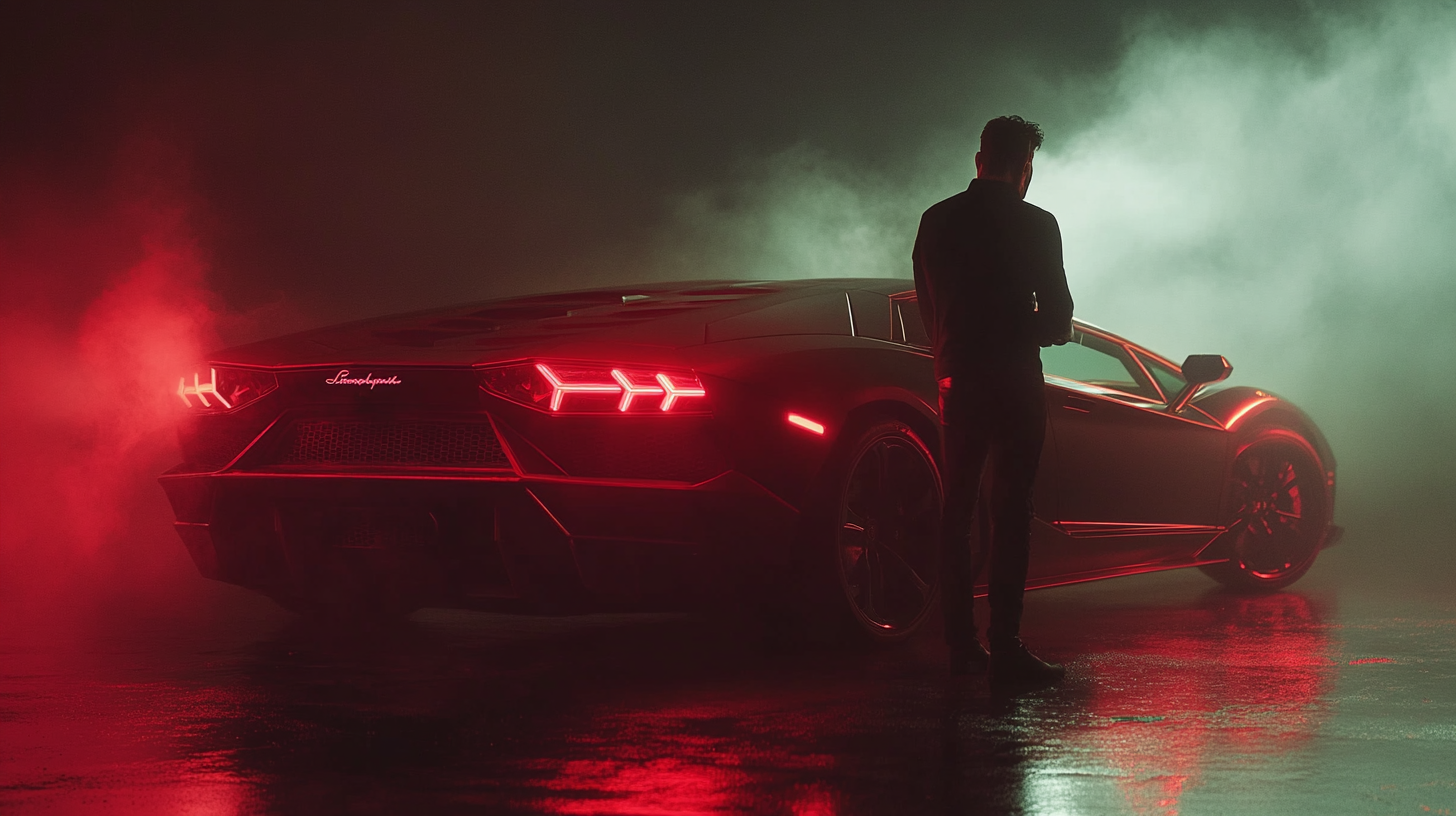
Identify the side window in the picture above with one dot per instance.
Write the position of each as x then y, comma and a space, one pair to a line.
909, 328
1097, 362
1168, 379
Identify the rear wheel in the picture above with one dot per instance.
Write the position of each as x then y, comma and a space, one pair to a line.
879, 522
1281, 510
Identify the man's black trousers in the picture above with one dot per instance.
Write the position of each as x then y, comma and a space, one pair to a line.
992, 429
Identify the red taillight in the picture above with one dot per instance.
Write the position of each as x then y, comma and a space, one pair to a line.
224, 389
596, 388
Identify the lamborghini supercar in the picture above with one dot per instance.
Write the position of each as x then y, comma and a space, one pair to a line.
672, 446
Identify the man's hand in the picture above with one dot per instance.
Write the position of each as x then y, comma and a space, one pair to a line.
1060, 338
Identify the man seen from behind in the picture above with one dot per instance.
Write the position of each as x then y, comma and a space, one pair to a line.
992, 291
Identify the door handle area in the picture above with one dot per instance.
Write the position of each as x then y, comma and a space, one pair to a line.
1081, 405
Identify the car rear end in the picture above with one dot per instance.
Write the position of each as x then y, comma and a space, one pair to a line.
535, 484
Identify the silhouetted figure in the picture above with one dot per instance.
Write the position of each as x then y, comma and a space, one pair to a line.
988, 270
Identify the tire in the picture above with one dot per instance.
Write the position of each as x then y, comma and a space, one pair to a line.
874, 534
1280, 510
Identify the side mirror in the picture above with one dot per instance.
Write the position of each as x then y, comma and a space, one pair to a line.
1200, 370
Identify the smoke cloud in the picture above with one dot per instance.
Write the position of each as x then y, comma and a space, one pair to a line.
104, 304
1288, 205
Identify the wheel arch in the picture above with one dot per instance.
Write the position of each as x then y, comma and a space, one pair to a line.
926, 426
861, 416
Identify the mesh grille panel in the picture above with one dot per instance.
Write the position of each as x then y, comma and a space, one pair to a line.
416, 443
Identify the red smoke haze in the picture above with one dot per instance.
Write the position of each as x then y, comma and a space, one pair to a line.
104, 305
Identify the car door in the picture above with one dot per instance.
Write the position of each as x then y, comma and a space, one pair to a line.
1135, 483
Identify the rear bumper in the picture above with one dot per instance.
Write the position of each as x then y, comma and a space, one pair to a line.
534, 544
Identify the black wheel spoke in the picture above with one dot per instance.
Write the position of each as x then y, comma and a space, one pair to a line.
867, 587
899, 561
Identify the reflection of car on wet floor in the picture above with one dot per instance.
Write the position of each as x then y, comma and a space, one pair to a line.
673, 445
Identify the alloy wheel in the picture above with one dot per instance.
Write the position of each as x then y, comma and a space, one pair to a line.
886, 541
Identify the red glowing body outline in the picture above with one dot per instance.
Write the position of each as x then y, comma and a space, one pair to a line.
1244, 410
1103, 529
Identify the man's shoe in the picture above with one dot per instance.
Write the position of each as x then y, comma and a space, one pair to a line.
972, 660
1013, 666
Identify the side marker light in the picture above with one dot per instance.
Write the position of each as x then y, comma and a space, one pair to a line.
807, 424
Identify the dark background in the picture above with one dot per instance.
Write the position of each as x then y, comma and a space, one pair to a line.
1268, 180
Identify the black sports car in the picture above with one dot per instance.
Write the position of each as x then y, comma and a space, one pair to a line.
675, 445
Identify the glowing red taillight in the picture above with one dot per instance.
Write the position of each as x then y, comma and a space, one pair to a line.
224, 389
596, 388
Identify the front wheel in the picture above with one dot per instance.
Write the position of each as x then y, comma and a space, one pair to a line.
877, 532
1281, 512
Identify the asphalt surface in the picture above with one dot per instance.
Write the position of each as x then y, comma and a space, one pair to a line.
180, 696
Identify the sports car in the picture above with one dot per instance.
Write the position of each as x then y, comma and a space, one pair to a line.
689, 445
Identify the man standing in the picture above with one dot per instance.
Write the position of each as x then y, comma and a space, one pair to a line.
988, 271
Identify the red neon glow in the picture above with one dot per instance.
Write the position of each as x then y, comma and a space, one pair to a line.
1239, 414
592, 388
1168, 731
200, 390
631, 389
224, 390
676, 391
806, 424
560, 389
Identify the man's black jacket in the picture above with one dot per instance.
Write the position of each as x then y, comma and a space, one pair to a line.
988, 271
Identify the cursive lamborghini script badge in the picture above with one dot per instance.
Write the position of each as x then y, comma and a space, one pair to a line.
343, 378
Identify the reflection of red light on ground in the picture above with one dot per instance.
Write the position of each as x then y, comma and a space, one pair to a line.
136, 745
814, 800
1252, 680
682, 760
667, 786
1364, 660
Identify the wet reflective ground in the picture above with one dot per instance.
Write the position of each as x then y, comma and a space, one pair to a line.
1338, 696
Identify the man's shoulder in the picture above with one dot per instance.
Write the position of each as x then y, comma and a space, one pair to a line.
948, 205
1035, 213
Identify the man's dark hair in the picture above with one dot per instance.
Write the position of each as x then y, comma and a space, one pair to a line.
1006, 141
